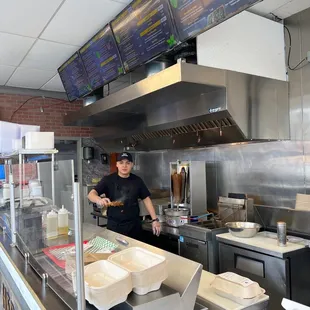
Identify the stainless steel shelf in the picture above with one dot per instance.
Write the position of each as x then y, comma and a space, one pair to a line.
37, 152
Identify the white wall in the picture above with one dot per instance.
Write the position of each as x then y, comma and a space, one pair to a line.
245, 43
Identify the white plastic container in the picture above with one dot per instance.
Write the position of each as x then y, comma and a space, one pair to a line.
35, 188
39, 140
9, 132
292, 305
51, 225
63, 221
106, 285
27, 128
6, 191
148, 270
16, 144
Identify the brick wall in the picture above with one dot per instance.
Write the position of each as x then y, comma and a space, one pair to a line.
51, 119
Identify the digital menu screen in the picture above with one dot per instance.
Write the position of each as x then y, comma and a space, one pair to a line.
144, 30
195, 16
101, 58
74, 78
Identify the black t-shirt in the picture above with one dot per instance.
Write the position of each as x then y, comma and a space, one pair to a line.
127, 190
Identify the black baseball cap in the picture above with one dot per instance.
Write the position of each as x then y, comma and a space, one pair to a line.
123, 156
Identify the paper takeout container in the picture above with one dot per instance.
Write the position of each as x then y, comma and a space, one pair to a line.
239, 289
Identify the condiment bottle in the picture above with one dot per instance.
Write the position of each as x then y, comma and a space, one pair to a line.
51, 225
63, 221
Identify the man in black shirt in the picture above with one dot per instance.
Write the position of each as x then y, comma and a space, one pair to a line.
127, 188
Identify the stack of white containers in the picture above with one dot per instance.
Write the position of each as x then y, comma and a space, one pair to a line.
148, 270
108, 283
11, 135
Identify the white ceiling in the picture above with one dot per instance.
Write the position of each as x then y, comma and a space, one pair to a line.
37, 36
280, 8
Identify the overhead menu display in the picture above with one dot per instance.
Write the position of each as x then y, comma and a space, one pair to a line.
101, 58
195, 16
74, 78
144, 30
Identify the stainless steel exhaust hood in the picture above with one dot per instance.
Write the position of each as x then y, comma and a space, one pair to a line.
188, 105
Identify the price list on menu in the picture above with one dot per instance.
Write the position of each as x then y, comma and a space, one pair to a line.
74, 78
101, 58
195, 16
144, 30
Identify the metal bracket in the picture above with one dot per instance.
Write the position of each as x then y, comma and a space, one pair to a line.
26, 255
45, 279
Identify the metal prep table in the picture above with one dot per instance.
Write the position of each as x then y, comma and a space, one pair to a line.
260, 259
179, 290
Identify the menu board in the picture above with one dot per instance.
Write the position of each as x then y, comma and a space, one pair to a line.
195, 16
74, 78
144, 30
101, 58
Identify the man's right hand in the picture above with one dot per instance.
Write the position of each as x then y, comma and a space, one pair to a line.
103, 202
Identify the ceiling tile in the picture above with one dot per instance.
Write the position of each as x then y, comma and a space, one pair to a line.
54, 84
29, 78
27, 18
78, 20
267, 6
46, 55
5, 73
291, 8
13, 48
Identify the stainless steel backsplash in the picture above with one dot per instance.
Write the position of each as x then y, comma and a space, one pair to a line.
270, 172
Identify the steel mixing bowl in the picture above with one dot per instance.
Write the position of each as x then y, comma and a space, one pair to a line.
243, 229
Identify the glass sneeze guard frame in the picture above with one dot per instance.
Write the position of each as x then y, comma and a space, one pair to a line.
31, 258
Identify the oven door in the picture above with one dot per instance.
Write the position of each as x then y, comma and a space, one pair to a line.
195, 250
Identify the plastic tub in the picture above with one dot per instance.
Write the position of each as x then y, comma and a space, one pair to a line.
106, 285
148, 270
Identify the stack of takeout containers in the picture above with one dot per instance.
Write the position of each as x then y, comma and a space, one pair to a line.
109, 282
148, 270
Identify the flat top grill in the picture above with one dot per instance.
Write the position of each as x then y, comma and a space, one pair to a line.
201, 230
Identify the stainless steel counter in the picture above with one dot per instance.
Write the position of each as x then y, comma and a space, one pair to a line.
183, 275
263, 244
43, 297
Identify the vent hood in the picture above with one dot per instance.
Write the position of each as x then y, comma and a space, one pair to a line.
188, 105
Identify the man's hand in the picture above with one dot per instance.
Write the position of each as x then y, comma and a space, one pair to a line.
156, 228
103, 202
